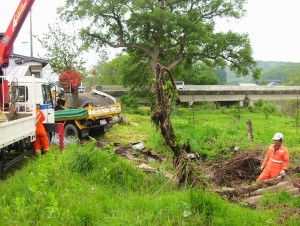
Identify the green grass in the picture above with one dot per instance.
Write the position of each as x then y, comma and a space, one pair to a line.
52, 190
211, 132
89, 186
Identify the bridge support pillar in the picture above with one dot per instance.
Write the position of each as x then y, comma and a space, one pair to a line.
246, 102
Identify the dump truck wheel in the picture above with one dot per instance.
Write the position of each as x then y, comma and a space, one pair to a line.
87, 103
97, 132
71, 130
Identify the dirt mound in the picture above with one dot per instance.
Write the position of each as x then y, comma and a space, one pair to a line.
241, 169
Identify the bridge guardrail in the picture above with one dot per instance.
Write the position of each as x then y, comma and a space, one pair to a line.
113, 88
239, 88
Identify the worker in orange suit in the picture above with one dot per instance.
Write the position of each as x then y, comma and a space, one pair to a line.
41, 135
276, 161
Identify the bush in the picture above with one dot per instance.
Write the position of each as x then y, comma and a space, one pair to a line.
266, 107
129, 101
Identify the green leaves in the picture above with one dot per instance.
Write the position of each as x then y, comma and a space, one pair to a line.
166, 32
63, 50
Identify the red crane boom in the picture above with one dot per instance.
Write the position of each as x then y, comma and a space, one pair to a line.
6, 43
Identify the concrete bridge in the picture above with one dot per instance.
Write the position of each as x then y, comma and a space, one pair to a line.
244, 95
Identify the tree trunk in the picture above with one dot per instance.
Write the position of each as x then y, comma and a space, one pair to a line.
75, 99
185, 170
250, 134
161, 114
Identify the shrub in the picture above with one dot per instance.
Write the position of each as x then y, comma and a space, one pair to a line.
130, 101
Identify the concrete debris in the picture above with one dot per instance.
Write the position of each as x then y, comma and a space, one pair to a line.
280, 186
236, 150
138, 146
258, 194
130, 156
124, 151
67, 140
193, 155
150, 160
147, 168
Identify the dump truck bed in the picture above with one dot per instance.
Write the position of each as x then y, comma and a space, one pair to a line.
89, 112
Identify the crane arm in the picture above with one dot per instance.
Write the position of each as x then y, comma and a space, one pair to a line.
6, 44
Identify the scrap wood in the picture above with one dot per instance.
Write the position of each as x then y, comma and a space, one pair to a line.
155, 155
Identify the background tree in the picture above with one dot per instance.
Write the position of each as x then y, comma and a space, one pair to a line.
127, 70
222, 75
110, 73
199, 75
293, 78
166, 32
96, 70
65, 53
70, 80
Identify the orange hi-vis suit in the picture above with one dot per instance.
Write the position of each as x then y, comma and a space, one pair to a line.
41, 135
274, 162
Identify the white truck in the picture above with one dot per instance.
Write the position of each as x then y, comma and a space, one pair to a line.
18, 97
17, 129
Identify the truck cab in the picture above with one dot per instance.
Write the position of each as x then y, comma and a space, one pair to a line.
29, 92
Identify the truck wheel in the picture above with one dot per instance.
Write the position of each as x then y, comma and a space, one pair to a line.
97, 132
87, 103
71, 130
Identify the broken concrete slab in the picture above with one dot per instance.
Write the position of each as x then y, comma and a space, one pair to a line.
253, 200
285, 185
294, 191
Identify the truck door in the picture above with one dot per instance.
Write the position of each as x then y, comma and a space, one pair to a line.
47, 105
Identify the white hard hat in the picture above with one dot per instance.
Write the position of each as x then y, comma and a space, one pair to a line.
278, 136
37, 102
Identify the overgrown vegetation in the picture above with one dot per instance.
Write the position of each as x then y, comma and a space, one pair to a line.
85, 185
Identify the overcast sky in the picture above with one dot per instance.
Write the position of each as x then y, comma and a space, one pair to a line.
273, 27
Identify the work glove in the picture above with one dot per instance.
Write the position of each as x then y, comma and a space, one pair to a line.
282, 173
